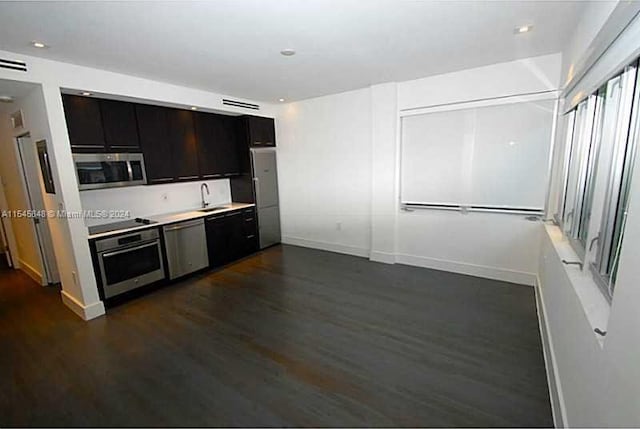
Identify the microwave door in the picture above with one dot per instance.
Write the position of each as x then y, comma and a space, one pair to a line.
96, 171
90, 173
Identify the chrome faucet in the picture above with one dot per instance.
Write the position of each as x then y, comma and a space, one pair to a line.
202, 188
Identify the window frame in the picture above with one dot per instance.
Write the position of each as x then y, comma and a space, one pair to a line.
580, 151
619, 177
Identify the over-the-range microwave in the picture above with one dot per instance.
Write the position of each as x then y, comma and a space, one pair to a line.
109, 170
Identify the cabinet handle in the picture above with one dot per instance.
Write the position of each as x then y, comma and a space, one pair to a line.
81, 146
251, 236
249, 219
207, 176
163, 179
187, 177
229, 174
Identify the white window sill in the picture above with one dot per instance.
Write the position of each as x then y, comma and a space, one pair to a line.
595, 306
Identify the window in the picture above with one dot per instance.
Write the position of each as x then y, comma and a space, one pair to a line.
624, 134
601, 138
581, 156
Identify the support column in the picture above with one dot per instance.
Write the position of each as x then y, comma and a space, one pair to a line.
70, 236
384, 195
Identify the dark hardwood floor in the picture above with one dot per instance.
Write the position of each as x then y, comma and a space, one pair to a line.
289, 337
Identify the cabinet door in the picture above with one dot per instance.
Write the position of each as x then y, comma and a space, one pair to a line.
217, 153
237, 238
120, 126
153, 131
184, 146
228, 138
84, 123
217, 241
250, 231
261, 131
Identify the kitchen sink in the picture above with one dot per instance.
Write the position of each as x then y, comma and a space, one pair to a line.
213, 209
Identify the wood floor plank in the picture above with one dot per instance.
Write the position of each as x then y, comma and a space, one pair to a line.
287, 337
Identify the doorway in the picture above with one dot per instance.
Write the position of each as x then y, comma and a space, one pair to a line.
4, 246
30, 172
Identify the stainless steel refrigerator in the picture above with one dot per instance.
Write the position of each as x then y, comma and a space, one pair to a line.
265, 185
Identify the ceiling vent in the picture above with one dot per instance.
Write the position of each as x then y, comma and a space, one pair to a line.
241, 104
13, 64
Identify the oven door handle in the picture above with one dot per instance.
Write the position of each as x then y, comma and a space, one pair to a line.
129, 249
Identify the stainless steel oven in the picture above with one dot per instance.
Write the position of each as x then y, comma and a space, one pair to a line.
108, 170
129, 261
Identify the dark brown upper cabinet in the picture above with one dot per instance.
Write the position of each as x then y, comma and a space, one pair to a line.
260, 132
153, 130
84, 123
120, 126
217, 144
184, 145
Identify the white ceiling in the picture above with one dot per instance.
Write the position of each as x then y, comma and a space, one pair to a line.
232, 47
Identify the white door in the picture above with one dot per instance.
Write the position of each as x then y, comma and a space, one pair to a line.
32, 181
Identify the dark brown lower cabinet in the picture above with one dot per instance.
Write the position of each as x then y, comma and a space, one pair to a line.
230, 236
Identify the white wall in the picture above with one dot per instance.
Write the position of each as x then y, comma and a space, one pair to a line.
324, 172
338, 164
599, 382
142, 201
494, 245
598, 379
80, 292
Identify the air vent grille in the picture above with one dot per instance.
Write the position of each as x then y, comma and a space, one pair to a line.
242, 104
13, 65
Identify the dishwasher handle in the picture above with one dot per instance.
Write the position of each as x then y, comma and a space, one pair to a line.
183, 225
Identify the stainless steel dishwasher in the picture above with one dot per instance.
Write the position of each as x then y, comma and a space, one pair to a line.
186, 244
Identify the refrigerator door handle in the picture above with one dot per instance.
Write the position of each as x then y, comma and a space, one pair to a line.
256, 186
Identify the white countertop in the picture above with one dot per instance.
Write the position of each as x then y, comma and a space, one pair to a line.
168, 218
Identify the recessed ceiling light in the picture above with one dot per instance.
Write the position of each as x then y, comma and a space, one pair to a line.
288, 52
281, 99
37, 44
194, 108
6, 99
86, 93
523, 29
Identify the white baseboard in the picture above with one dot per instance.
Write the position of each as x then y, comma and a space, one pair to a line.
492, 273
553, 380
86, 312
30, 271
384, 257
331, 247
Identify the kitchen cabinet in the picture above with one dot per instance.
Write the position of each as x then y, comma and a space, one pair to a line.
183, 144
230, 236
260, 132
250, 226
217, 145
153, 131
84, 123
120, 126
